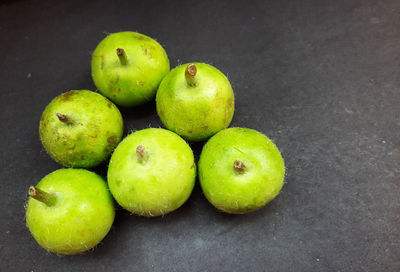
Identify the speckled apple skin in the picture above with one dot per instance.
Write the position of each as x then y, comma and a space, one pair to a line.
158, 186
196, 113
136, 82
237, 193
81, 217
96, 129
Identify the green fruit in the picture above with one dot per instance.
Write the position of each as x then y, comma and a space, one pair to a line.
127, 67
240, 170
152, 172
80, 128
195, 101
70, 211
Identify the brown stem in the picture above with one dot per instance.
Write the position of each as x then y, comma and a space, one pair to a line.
190, 75
142, 154
47, 198
63, 118
122, 56
239, 166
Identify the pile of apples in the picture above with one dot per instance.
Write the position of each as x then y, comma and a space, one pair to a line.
152, 171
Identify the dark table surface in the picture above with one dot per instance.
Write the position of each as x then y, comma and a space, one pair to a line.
321, 78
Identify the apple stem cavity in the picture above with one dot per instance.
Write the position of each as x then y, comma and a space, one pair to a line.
190, 75
63, 118
239, 166
122, 56
47, 198
142, 154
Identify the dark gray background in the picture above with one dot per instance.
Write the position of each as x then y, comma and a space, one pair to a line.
321, 78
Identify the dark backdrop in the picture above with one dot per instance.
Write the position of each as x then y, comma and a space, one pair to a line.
321, 78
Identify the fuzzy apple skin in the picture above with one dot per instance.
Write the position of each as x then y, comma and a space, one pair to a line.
95, 128
198, 112
137, 81
234, 192
81, 217
158, 185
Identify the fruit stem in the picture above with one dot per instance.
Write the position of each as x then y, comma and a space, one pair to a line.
142, 154
239, 166
122, 56
190, 75
64, 118
47, 198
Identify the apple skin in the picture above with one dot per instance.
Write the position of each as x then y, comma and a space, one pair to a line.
195, 113
81, 217
136, 82
234, 192
95, 130
159, 185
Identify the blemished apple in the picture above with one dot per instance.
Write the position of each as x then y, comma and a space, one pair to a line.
240, 170
69, 211
195, 101
127, 67
80, 128
152, 172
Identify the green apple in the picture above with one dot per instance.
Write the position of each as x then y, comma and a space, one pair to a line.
195, 101
80, 128
69, 211
127, 67
152, 172
240, 170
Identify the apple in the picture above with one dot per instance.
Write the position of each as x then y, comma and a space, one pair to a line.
195, 101
127, 67
80, 128
240, 170
152, 172
69, 211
